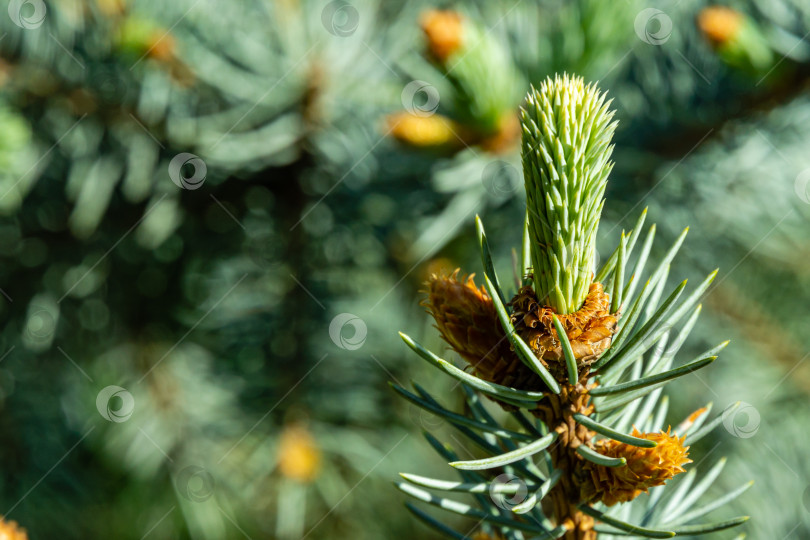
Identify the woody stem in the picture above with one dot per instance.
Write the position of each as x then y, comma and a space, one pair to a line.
558, 414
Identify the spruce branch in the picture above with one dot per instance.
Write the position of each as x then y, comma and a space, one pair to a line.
567, 128
564, 351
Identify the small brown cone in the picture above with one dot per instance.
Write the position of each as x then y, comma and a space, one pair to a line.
645, 468
466, 318
589, 329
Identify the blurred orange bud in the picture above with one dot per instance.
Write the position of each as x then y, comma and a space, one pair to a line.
444, 33
422, 131
9, 530
298, 455
719, 24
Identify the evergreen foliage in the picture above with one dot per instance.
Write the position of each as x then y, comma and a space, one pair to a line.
212, 307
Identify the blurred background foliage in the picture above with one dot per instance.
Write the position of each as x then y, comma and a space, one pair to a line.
345, 155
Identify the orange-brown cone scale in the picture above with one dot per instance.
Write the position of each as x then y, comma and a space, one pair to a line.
589, 329
646, 467
466, 318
